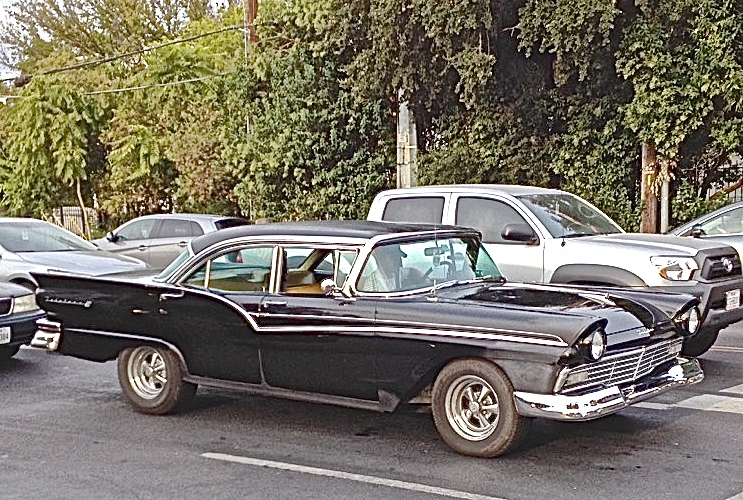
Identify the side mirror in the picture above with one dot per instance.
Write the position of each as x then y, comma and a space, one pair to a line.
697, 231
110, 236
522, 233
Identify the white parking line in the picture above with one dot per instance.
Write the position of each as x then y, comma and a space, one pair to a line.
391, 483
705, 402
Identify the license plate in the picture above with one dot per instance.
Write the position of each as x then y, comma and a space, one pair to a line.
4, 335
732, 300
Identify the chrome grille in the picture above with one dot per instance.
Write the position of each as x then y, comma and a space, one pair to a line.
622, 367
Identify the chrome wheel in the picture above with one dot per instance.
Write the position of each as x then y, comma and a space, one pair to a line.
147, 372
472, 408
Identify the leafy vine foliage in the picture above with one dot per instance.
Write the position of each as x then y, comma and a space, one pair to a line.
163, 105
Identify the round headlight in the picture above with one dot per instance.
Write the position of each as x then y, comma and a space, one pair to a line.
691, 320
594, 344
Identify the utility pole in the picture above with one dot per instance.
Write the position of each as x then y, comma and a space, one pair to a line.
407, 145
648, 194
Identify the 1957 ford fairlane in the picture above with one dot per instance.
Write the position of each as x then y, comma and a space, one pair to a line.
373, 315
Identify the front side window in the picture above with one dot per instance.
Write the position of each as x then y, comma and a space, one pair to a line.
137, 230
414, 265
488, 216
244, 270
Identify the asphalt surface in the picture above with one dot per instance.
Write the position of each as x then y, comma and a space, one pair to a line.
66, 433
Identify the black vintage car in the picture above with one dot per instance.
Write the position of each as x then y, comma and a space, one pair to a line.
18, 315
373, 315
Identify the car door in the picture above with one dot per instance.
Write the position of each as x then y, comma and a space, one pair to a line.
314, 342
218, 305
517, 260
170, 239
133, 239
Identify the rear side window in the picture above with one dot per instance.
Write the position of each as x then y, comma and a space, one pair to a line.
234, 222
422, 209
489, 216
179, 228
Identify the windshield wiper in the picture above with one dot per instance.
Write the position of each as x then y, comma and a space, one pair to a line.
578, 235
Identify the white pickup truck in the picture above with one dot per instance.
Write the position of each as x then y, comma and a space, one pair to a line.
551, 236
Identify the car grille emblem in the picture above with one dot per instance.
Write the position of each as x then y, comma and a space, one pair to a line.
727, 264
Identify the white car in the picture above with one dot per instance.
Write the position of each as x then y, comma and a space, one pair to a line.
32, 245
160, 238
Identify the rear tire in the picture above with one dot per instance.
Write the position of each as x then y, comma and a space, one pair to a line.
151, 379
698, 344
474, 410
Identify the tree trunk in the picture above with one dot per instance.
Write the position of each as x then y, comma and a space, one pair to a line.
83, 214
648, 191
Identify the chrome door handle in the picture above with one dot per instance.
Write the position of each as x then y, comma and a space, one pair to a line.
274, 303
137, 310
175, 295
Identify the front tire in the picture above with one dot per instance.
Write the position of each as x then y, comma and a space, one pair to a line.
7, 352
474, 410
151, 379
698, 344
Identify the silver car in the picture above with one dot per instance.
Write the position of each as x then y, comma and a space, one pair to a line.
724, 225
31, 245
158, 239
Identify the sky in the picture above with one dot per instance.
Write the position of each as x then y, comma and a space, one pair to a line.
4, 73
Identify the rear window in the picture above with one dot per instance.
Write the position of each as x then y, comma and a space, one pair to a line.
421, 209
233, 222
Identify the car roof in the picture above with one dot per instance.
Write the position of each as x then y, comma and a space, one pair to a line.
194, 217
510, 189
30, 220
356, 229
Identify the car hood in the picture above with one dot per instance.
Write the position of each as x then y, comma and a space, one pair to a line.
88, 262
629, 315
655, 244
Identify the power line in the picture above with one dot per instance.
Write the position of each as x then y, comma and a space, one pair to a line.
4, 98
129, 54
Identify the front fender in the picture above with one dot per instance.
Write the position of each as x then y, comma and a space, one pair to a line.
596, 274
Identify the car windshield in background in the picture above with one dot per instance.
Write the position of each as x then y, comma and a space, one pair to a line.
567, 215
412, 265
39, 237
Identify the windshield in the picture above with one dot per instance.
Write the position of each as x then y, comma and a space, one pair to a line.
566, 215
39, 236
163, 276
420, 264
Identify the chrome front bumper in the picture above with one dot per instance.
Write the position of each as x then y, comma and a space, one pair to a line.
48, 334
605, 401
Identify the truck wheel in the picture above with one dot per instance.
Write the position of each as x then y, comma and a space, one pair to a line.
474, 410
151, 379
8, 352
698, 344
